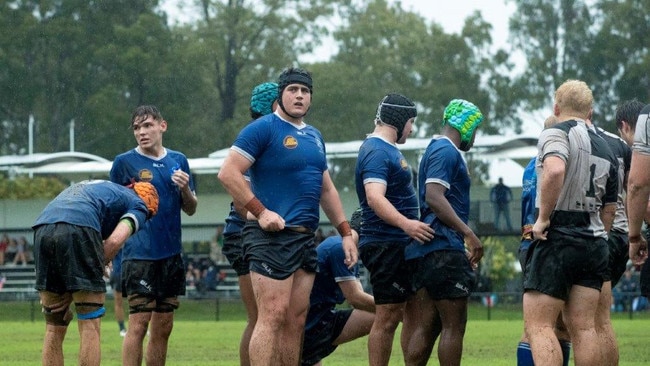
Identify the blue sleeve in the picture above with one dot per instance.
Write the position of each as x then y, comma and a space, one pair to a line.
253, 139
185, 166
119, 173
442, 165
376, 167
340, 270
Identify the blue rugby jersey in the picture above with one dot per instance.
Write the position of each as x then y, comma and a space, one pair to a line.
380, 161
331, 270
161, 236
288, 163
528, 211
234, 222
442, 163
97, 204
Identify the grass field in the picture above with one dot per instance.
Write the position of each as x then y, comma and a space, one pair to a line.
198, 339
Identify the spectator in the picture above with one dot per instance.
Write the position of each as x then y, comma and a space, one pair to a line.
628, 287
12, 251
500, 196
21, 251
191, 278
4, 243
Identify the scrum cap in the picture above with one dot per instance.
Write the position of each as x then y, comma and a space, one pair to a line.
464, 116
263, 97
396, 110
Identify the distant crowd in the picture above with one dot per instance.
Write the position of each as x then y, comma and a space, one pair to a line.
14, 251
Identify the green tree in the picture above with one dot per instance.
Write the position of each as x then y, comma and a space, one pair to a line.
498, 263
382, 49
245, 43
54, 70
618, 62
553, 35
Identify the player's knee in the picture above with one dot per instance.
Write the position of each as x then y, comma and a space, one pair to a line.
60, 318
141, 304
167, 305
89, 310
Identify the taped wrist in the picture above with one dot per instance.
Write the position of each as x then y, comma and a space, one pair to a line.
344, 228
635, 237
255, 207
128, 222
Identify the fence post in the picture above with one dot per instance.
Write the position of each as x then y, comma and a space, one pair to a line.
217, 306
32, 310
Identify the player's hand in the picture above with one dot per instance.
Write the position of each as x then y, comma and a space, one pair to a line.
638, 249
268, 220
350, 250
180, 178
540, 229
475, 248
419, 231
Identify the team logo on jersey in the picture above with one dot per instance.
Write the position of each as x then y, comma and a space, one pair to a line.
290, 142
404, 164
146, 175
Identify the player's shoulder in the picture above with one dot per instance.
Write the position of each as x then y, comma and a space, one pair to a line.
125, 155
175, 154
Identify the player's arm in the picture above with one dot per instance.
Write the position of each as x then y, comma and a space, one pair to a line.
333, 208
356, 297
376, 196
638, 191
607, 215
435, 197
114, 242
188, 197
551, 184
231, 176
189, 201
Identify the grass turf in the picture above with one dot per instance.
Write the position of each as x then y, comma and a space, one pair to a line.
198, 339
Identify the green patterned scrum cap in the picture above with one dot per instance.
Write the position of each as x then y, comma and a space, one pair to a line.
464, 116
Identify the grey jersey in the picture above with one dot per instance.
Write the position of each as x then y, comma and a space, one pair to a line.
623, 154
590, 180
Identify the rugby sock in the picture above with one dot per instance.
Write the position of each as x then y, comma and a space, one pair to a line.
524, 355
121, 324
566, 351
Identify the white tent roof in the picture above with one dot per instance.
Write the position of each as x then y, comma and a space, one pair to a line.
516, 148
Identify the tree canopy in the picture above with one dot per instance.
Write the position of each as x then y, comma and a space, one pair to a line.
92, 62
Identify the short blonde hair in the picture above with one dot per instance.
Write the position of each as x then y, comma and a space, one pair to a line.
575, 98
551, 121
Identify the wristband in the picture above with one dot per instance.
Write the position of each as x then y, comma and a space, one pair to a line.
129, 223
344, 228
255, 207
634, 237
